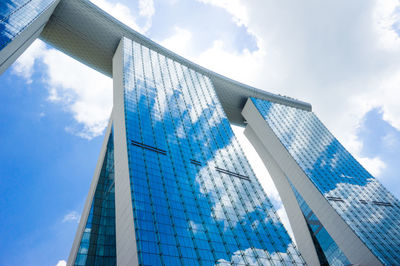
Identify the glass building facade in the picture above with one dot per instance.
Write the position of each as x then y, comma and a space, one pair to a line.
328, 251
16, 15
369, 209
195, 198
97, 245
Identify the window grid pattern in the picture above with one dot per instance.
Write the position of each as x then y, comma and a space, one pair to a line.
16, 15
97, 245
185, 213
348, 187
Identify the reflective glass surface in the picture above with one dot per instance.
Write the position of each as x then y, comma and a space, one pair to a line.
370, 210
328, 251
16, 15
195, 198
97, 245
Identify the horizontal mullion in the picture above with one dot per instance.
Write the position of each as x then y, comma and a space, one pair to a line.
148, 147
232, 173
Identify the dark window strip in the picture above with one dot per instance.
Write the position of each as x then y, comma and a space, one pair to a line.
144, 146
329, 197
232, 173
195, 162
149, 148
363, 202
335, 199
380, 203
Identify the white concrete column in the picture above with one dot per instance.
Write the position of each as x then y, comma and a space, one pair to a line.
125, 228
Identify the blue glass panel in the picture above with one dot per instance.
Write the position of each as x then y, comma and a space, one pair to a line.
97, 245
327, 249
195, 197
16, 15
370, 210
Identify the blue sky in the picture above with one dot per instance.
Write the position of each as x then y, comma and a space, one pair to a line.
342, 57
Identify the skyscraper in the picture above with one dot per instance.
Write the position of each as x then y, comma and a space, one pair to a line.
172, 186
184, 192
349, 215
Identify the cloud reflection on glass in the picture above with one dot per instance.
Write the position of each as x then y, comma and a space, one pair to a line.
195, 198
370, 210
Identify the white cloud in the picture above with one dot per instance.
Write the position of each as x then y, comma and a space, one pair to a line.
276, 257
61, 263
85, 93
373, 165
219, 59
81, 91
234, 7
172, 2
72, 216
146, 10
24, 66
387, 96
123, 13
385, 16
119, 11
179, 42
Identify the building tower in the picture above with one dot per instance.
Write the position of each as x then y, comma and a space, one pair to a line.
184, 193
172, 186
350, 216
